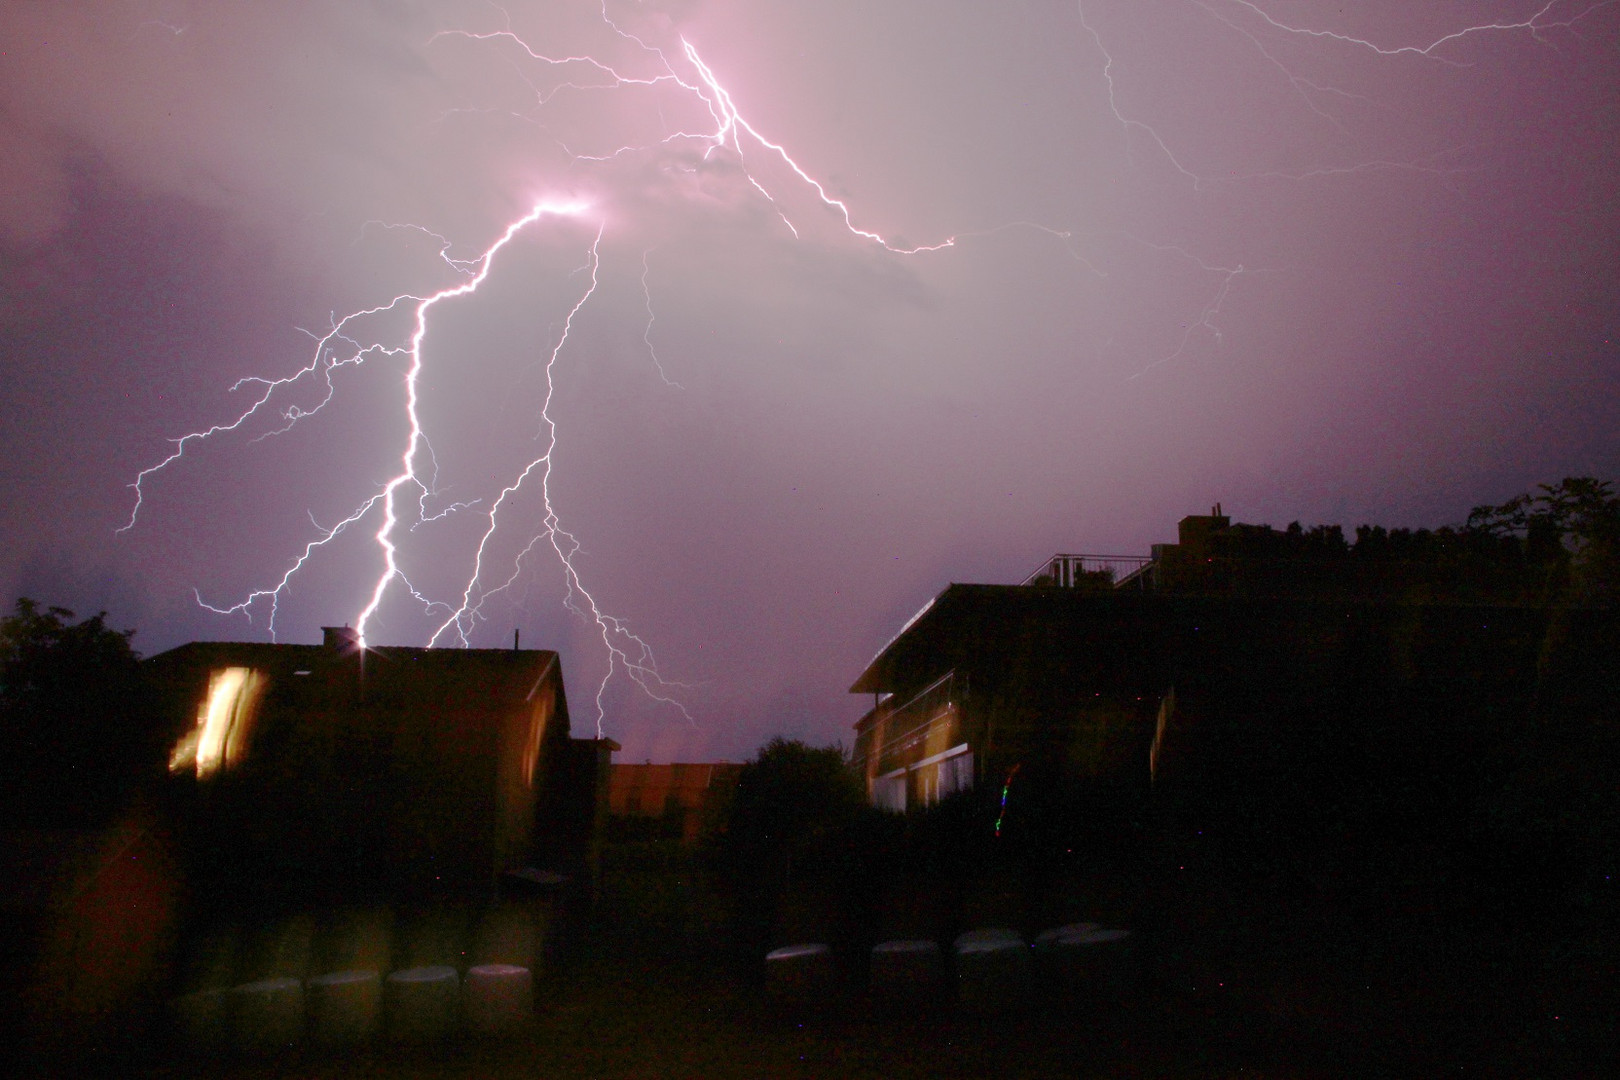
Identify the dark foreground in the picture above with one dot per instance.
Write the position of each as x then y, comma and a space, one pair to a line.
1234, 976
612, 1009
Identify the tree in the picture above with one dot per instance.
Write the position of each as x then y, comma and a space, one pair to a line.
75, 731
1576, 521
791, 791
788, 819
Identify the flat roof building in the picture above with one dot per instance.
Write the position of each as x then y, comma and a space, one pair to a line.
1243, 669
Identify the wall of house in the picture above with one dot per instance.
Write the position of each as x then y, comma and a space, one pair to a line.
416, 772
688, 794
915, 748
1294, 719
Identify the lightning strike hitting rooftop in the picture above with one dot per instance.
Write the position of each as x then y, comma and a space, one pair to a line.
1166, 244
626, 651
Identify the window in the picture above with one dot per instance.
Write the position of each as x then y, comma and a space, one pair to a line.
224, 723
956, 772
889, 792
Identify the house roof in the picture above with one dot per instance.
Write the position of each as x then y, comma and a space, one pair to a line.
1107, 629
965, 618
385, 672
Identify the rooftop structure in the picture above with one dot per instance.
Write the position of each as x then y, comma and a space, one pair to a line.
335, 767
1240, 650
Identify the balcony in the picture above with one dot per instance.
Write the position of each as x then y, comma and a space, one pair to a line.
1089, 571
894, 735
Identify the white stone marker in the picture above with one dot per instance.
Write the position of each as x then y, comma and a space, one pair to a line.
911, 970
1046, 937
497, 997
267, 1015
992, 970
345, 1007
800, 973
1087, 957
422, 1004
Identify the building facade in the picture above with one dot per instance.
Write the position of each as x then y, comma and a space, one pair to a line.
1244, 669
688, 795
408, 770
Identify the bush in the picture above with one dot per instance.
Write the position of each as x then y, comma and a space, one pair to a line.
793, 805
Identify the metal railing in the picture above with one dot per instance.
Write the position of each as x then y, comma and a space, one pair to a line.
922, 710
1071, 571
891, 729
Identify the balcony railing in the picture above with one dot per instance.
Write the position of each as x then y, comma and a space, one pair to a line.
907, 721
1080, 571
892, 729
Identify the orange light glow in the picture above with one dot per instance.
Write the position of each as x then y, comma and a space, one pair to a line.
538, 722
224, 723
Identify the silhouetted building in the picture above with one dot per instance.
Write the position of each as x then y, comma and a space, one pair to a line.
1244, 671
331, 769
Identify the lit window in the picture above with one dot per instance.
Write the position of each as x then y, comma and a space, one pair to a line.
956, 772
224, 722
889, 792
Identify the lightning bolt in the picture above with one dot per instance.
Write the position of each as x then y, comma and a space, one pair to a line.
400, 503
414, 440
646, 333
1537, 25
342, 345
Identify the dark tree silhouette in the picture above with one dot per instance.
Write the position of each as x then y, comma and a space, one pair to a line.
76, 734
789, 792
791, 808
1576, 521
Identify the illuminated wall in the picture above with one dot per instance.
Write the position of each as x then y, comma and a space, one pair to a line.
916, 752
385, 768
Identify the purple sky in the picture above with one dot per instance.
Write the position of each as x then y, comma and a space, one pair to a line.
1337, 263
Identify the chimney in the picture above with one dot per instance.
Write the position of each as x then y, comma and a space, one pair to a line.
514, 640
340, 639
1193, 533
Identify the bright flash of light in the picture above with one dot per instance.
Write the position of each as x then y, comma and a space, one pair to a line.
407, 476
224, 723
341, 346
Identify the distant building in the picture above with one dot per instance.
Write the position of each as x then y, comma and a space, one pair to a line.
689, 794
415, 771
1244, 668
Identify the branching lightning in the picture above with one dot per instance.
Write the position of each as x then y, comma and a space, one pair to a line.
344, 344
646, 333
414, 441
626, 651
1228, 13
1537, 25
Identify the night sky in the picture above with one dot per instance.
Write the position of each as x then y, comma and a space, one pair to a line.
1321, 261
